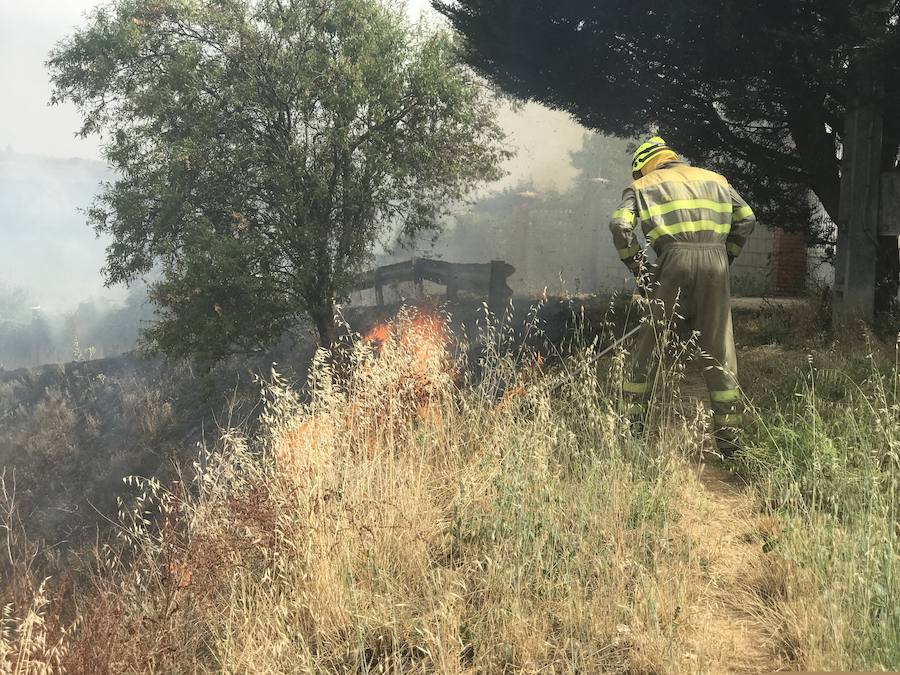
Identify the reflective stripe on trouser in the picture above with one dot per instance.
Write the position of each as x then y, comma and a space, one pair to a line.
728, 418
635, 396
693, 293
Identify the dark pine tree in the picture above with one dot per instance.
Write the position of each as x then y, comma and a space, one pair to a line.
756, 90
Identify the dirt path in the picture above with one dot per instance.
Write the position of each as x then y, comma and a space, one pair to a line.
719, 518
727, 531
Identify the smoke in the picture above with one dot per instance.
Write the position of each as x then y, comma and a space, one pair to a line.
543, 140
28, 31
548, 219
48, 250
51, 260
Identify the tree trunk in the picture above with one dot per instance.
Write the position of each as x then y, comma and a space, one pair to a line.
323, 316
887, 275
887, 266
887, 262
816, 147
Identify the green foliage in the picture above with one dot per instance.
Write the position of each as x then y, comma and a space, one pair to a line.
827, 462
834, 443
755, 90
800, 324
263, 147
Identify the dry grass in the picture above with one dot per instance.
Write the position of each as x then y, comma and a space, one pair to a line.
400, 516
402, 519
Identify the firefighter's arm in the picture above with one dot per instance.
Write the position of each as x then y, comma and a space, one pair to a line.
622, 226
742, 223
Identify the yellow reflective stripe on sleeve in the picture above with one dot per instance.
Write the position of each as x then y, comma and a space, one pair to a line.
630, 252
689, 226
625, 215
725, 396
635, 387
730, 420
686, 205
733, 250
743, 213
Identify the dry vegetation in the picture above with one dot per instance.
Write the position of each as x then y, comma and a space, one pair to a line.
401, 516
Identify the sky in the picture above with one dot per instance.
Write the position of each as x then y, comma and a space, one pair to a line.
29, 29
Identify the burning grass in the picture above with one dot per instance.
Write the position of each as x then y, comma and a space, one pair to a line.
400, 515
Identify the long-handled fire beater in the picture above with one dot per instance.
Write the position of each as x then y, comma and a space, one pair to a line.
615, 344
597, 357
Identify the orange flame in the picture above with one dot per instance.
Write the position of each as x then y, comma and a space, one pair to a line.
423, 337
380, 333
422, 326
401, 384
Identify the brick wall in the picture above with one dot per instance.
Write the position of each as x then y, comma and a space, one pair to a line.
789, 263
750, 273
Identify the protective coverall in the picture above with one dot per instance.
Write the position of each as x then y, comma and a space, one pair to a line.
697, 224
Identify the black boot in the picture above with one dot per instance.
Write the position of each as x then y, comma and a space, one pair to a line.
728, 448
636, 426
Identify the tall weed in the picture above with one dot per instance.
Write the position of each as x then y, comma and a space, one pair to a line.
828, 468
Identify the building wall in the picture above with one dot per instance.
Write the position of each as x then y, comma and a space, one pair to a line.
750, 273
789, 263
773, 262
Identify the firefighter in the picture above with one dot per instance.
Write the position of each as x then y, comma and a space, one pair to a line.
697, 224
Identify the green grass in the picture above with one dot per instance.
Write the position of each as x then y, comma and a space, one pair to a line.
823, 456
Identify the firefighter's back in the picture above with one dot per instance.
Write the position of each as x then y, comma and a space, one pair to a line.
698, 224
681, 203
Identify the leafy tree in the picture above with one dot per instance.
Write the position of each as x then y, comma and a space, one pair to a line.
756, 90
263, 146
